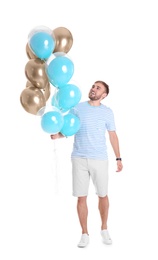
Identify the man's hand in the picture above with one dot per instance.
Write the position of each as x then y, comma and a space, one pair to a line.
56, 136
119, 166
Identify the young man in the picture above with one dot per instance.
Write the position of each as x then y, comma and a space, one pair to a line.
90, 157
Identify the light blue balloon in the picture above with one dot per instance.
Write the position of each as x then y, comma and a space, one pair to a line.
52, 122
59, 71
55, 103
42, 44
71, 125
67, 97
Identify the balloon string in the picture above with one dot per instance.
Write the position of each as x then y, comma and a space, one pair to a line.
56, 166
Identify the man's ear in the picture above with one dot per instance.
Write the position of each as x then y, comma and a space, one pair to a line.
104, 95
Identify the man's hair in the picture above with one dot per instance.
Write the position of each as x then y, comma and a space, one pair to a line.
104, 84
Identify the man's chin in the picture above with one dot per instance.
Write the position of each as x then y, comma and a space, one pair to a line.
92, 98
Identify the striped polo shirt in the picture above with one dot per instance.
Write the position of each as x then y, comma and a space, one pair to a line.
90, 140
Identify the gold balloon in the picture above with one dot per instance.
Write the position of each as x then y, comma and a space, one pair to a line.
63, 39
29, 52
46, 90
32, 100
35, 72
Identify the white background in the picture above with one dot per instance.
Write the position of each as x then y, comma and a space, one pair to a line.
114, 41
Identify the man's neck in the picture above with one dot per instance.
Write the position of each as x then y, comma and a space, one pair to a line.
94, 103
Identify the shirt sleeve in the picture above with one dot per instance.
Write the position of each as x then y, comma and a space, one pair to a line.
73, 111
110, 123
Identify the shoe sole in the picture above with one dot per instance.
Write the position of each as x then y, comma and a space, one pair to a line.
107, 243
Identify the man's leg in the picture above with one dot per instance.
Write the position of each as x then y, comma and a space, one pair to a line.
82, 210
103, 206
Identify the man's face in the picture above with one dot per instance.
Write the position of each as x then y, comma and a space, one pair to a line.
97, 92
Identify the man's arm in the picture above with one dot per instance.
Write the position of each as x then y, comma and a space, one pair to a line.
115, 145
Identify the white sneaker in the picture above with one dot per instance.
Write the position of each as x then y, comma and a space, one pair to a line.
84, 240
106, 237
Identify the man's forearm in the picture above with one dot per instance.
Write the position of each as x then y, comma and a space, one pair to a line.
115, 144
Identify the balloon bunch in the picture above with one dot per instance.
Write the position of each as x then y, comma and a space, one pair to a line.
49, 66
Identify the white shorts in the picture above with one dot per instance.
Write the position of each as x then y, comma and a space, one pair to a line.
83, 169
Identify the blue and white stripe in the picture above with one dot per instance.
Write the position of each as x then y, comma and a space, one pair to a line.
90, 140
